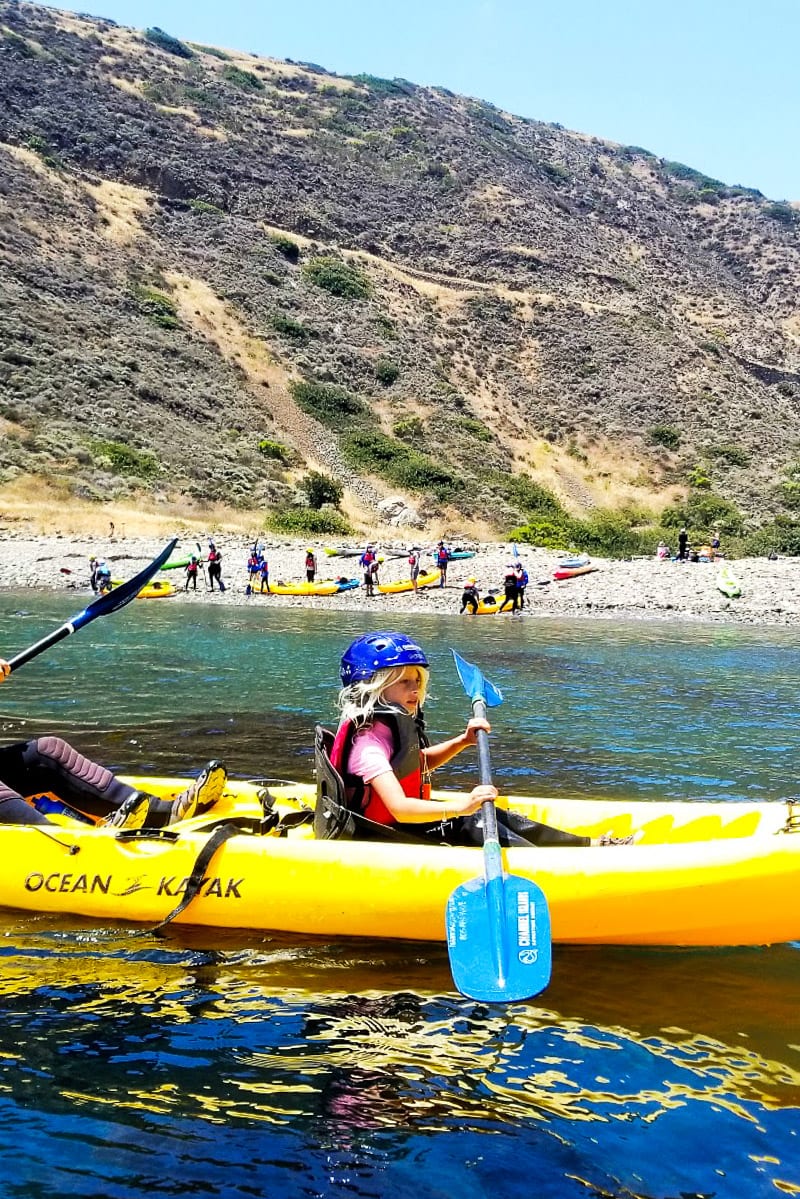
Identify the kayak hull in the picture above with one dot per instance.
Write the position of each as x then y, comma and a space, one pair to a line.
572, 572
425, 579
326, 587
701, 874
157, 590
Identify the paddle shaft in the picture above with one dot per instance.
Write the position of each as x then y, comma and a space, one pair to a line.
39, 647
492, 856
103, 606
488, 811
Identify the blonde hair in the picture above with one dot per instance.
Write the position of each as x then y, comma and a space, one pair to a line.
359, 701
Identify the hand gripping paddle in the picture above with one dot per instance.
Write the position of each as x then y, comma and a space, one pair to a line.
498, 926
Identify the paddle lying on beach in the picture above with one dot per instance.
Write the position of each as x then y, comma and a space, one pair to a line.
117, 598
498, 926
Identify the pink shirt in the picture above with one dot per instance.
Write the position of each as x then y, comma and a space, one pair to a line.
371, 752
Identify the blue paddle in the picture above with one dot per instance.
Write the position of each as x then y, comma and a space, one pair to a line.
117, 598
498, 926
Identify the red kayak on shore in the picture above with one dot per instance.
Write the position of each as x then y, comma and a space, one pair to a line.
571, 572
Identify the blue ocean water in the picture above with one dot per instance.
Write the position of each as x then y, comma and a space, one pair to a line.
223, 1064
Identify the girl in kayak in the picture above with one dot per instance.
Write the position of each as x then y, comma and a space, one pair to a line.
49, 764
384, 759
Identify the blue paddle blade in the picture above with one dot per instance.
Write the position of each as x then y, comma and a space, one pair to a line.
475, 685
498, 938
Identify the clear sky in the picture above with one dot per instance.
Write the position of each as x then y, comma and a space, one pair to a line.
714, 84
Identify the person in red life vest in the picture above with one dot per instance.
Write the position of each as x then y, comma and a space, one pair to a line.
367, 560
48, 765
384, 759
214, 567
311, 565
191, 573
442, 559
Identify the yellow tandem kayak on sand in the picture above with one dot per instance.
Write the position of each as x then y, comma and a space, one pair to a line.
426, 578
707, 874
328, 587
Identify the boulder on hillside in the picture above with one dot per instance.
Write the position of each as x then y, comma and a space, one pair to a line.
397, 511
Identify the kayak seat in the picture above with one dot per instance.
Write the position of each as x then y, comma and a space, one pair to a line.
331, 817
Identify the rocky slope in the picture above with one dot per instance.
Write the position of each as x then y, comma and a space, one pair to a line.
185, 232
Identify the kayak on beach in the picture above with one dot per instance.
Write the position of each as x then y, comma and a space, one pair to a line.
426, 579
179, 565
490, 606
158, 589
458, 555
728, 584
573, 563
709, 874
323, 587
572, 572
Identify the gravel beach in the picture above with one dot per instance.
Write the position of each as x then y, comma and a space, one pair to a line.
643, 589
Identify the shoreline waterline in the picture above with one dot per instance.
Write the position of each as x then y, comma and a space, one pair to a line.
636, 589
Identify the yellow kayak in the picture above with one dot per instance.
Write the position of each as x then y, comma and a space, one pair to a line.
157, 590
699, 874
490, 609
327, 587
426, 579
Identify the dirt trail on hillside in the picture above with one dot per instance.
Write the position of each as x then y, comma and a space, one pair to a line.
209, 316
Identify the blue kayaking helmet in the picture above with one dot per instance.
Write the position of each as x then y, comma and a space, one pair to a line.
378, 651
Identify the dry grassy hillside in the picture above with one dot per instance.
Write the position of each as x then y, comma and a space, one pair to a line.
221, 272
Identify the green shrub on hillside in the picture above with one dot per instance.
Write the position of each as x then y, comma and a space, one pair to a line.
384, 87
699, 477
781, 535
321, 489
734, 455
305, 520
246, 80
327, 402
378, 454
679, 170
475, 428
664, 435
337, 277
782, 212
125, 460
608, 533
386, 371
289, 327
157, 305
212, 50
702, 510
273, 449
531, 498
410, 428
205, 206
550, 534
790, 485
286, 246
165, 41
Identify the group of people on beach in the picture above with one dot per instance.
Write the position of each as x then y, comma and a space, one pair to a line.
515, 581
195, 565
687, 553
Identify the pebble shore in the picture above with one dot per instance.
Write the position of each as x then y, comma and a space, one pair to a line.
638, 589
